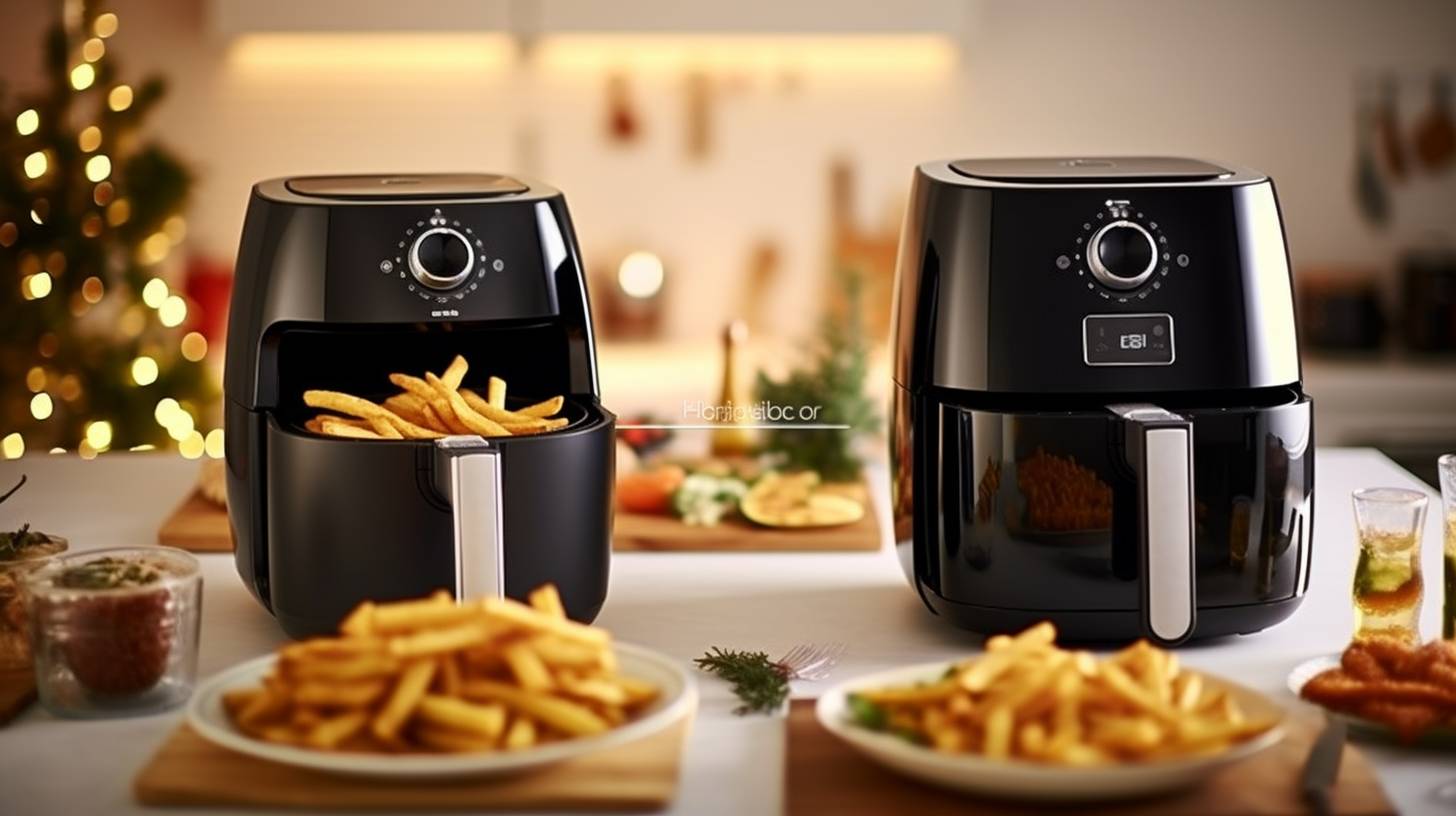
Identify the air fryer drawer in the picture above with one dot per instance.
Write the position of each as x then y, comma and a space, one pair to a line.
1036, 511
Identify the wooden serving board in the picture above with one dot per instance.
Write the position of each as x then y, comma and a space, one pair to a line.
826, 775
201, 526
190, 771
17, 690
637, 531
197, 525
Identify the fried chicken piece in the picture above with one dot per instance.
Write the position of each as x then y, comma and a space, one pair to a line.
1424, 663
1390, 653
1359, 663
1407, 720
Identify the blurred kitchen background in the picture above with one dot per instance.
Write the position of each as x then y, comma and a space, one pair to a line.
723, 161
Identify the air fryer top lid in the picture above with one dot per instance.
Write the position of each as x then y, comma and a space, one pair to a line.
410, 186
1110, 170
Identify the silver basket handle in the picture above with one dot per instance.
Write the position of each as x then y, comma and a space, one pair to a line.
470, 470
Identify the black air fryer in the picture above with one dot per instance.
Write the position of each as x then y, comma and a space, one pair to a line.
1098, 417
342, 280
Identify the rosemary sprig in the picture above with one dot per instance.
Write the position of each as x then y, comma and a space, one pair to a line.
760, 683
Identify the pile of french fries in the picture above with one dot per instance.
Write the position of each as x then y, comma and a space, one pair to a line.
435, 676
430, 408
1026, 699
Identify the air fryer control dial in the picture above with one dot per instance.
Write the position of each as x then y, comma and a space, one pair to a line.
1122, 255
441, 258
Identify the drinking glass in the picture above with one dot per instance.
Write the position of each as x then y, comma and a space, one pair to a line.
1388, 586
1447, 465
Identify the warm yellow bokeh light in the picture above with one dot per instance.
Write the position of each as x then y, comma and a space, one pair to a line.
640, 274
93, 49
36, 164
154, 293
172, 311
27, 122
214, 443
154, 248
166, 408
57, 451
82, 76
41, 406
175, 228
35, 379
193, 446
92, 290
120, 98
105, 25
98, 434
194, 346
146, 446
85, 451
89, 139
98, 168
13, 446
144, 370
37, 286
118, 212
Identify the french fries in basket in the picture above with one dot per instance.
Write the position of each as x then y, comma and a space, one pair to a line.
1025, 699
432, 675
429, 408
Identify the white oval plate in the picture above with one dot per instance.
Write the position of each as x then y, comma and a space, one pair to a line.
1027, 780
678, 698
1439, 736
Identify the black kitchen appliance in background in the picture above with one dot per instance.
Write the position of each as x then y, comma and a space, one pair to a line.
1098, 416
342, 280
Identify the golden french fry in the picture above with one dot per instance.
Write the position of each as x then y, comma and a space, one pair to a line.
495, 392
455, 372
355, 406
237, 700
545, 408
452, 741
516, 613
467, 416
1187, 688
521, 734
557, 652
999, 723
330, 427
568, 717
384, 428
488, 721
596, 690
433, 420
351, 694
510, 419
313, 425
360, 667
268, 706
527, 667
546, 600
448, 676
360, 622
439, 641
334, 730
438, 610
407, 694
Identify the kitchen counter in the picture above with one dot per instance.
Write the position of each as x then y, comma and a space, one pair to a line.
680, 604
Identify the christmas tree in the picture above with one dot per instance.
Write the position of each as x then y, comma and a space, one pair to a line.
96, 354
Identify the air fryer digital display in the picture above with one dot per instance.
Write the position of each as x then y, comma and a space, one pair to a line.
1127, 339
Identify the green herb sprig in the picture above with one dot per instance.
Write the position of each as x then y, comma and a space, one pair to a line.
760, 683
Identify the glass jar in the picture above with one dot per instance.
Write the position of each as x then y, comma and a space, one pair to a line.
14, 616
115, 631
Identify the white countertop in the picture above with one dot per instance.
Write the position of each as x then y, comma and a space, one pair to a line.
677, 603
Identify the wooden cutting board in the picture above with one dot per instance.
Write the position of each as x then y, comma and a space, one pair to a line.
201, 526
190, 771
17, 690
825, 775
197, 525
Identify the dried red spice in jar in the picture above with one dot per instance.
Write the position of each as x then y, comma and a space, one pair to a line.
118, 644
115, 631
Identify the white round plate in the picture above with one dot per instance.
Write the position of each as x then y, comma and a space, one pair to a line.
1444, 736
1031, 781
678, 698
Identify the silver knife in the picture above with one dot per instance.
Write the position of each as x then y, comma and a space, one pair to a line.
1322, 768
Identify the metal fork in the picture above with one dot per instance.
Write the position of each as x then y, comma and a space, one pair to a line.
809, 661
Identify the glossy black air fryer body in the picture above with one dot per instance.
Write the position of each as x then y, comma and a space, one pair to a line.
1013, 495
324, 298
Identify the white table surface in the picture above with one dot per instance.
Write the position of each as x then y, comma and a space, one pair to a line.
678, 603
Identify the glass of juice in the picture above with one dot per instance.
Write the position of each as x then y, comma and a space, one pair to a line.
1388, 586
1447, 466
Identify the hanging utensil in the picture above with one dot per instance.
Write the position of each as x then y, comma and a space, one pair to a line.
1387, 130
1370, 194
1435, 133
